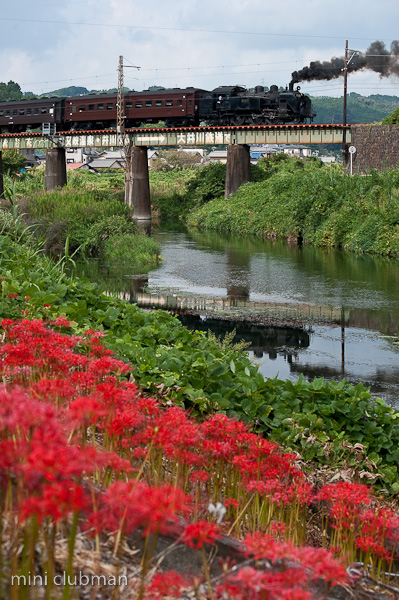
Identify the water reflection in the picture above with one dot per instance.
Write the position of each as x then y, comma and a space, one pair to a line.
287, 294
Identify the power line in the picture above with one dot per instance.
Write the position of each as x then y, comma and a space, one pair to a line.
183, 29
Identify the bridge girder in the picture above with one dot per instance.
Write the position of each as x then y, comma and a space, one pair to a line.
185, 136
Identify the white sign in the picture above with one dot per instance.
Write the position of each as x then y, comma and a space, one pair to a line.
352, 149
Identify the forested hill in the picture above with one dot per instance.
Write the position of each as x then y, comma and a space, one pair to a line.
360, 109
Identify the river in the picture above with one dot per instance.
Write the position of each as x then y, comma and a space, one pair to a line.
323, 313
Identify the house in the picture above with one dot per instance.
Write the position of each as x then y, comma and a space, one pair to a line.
217, 156
80, 155
299, 151
100, 164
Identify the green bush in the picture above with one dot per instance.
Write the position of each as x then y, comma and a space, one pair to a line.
136, 250
324, 206
108, 227
72, 214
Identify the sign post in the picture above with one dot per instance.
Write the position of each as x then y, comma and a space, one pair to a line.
352, 151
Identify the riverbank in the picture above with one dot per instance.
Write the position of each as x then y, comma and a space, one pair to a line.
312, 205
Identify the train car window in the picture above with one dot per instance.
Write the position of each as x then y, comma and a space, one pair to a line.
168, 102
14, 112
7, 112
129, 104
74, 108
82, 108
21, 111
91, 106
1, 113
43, 111
179, 102
139, 105
36, 111
148, 103
190, 102
100, 106
28, 111
158, 102
110, 106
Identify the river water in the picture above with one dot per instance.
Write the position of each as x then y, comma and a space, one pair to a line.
323, 313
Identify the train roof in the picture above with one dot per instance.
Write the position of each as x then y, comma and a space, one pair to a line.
41, 101
190, 90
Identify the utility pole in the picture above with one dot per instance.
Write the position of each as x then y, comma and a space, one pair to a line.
344, 149
347, 60
124, 144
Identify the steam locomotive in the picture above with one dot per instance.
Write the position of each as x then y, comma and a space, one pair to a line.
225, 105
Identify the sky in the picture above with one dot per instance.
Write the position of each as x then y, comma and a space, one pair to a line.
49, 44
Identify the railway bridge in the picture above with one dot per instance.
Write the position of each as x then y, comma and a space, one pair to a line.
137, 194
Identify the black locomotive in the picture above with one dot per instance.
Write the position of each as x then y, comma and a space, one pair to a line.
226, 105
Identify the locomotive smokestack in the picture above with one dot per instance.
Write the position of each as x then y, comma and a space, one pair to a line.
376, 58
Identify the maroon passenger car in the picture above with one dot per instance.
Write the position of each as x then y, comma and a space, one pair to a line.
25, 115
98, 111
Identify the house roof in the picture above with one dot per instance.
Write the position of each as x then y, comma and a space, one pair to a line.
106, 163
74, 165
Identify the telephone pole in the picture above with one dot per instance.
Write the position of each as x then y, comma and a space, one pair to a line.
347, 60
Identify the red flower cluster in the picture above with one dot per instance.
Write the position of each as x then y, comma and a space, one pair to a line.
79, 442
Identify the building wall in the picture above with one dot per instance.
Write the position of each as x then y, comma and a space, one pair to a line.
377, 147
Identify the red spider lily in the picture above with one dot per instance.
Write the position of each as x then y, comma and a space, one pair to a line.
106, 364
56, 501
199, 476
86, 410
199, 533
252, 584
168, 584
231, 502
52, 390
133, 505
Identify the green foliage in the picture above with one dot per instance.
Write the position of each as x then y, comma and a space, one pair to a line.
72, 214
137, 250
168, 193
392, 119
13, 161
208, 184
174, 159
10, 91
323, 205
108, 227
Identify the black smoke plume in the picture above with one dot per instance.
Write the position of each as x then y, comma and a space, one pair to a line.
376, 58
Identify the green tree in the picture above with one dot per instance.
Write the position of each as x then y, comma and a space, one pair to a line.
169, 160
13, 161
392, 119
10, 91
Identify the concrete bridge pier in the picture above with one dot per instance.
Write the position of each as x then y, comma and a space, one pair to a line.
1, 176
238, 168
55, 174
137, 185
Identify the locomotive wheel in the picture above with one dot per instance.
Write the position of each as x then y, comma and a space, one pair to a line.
257, 120
238, 120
